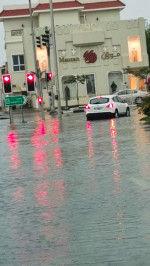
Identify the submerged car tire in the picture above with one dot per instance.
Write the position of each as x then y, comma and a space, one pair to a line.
116, 114
128, 112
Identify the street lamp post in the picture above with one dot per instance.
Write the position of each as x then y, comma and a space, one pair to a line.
55, 57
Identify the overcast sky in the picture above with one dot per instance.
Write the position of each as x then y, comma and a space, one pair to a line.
133, 10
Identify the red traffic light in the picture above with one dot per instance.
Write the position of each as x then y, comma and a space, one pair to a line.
49, 76
6, 78
7, 86
30, 82
40, 99
30, 77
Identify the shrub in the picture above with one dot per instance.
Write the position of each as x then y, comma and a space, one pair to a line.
145, 106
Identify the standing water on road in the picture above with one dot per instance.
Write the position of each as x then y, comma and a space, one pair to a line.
75, 192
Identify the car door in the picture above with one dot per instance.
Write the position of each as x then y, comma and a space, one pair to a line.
122, 105
122, 94
130, 96
117, 104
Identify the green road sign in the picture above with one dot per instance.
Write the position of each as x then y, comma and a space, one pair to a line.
15, 100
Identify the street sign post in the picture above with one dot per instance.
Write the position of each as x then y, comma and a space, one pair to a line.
15, 100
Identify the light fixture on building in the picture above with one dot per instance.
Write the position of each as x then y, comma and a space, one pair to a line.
104, 49
115, 49
73, 51
63, 53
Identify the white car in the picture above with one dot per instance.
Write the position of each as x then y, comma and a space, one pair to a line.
107, 105
130, 95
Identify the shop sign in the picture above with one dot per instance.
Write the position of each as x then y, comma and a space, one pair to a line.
64, 60
90, 56
108, 55
16, 32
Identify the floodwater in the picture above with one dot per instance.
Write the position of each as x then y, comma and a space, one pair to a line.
74, 192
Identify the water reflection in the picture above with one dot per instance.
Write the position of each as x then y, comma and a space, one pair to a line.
49, 190
39, 142
13, 144
90, 144
54, 131
117, 192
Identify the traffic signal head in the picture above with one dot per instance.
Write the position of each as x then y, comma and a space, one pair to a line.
45, 39
38, 41
49, 76
7, 83
40, 100
30, 82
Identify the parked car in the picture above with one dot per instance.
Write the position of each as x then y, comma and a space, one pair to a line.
107, 105
130, 96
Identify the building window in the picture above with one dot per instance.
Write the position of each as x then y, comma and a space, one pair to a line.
18, 63
90, 84
134, 49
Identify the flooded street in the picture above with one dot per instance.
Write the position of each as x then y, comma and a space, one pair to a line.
75, 192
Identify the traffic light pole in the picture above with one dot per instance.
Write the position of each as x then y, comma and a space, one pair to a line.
41, 94
35, 61
55, 58
11, 115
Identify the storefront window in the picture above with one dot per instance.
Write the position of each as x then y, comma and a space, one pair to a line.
90, 84
42, 58
134, 49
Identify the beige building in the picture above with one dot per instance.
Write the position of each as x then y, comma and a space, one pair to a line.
90, 38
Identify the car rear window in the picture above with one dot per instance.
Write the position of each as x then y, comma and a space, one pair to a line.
99, 100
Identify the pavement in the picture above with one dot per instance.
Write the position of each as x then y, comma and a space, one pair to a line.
4, 115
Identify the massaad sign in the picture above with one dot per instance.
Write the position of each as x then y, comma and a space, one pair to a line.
89, 57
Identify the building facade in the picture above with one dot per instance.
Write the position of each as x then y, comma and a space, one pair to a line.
91, 40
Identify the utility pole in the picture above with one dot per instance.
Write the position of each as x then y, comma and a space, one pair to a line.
37, 71
55, 57
33, 40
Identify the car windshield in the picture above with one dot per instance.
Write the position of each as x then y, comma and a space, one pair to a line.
99, 100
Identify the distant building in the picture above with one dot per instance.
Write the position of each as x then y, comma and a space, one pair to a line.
90, 38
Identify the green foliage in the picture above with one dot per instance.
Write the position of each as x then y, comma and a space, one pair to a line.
147, 33
145, 106
142, 73
75, 79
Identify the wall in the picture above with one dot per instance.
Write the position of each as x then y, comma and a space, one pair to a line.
60, 18
101, 16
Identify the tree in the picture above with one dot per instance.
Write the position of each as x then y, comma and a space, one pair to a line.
76, 79
147, 33
142, 73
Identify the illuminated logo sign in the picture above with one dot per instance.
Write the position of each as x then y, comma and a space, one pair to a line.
90, 57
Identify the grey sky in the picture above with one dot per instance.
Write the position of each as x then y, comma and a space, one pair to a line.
133, 10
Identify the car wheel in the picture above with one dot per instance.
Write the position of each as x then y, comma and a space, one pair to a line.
138, 100
127, 112
116, 114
